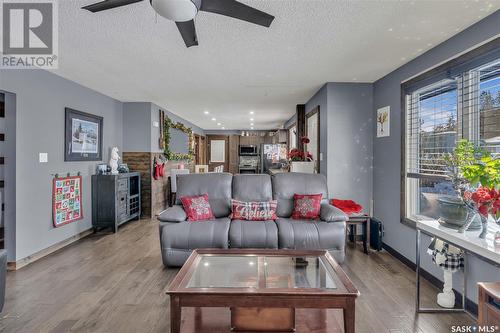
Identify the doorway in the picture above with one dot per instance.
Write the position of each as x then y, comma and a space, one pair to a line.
313, 133
218, 152
200, 149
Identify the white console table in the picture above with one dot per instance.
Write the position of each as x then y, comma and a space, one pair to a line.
469, 242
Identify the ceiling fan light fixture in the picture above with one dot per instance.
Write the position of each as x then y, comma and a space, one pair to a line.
176, 10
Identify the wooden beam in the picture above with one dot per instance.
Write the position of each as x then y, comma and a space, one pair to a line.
301, 124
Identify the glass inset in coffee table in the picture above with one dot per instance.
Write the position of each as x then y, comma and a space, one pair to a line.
262, 287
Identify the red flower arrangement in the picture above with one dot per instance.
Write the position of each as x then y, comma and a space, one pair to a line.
486, 200
299, 155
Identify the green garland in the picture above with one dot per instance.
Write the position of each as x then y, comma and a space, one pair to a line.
166, 135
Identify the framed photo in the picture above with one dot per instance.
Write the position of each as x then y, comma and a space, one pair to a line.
384, 122
83, 136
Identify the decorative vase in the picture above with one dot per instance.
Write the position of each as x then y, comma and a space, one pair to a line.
484, 222
453, 213
304, 167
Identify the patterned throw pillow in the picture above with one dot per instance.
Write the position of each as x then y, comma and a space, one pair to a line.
254, 211
306, 206
197, 208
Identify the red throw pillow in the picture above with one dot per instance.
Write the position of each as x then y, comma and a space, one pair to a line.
197, 208
254, 211
347, 206
306, 206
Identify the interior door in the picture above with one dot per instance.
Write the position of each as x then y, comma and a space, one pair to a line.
312, 132
218, 151
197, 148
234, 156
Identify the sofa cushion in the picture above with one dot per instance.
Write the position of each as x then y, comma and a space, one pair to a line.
253, 234
306, 206
216, 185
307, 234
285, 185
252, 187
197, 208
190, 236
254, 210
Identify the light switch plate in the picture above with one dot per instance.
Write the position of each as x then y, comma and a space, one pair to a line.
43, 157
321, 156
156, 124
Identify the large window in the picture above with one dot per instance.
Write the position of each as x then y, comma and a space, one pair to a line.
462, 105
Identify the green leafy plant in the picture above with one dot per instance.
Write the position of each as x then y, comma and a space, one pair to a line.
473, 170
475, 164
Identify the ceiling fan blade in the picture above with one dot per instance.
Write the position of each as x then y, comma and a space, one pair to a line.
188, 32
238, 10
108, 4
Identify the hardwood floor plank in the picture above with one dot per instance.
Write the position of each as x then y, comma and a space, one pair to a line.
116, 283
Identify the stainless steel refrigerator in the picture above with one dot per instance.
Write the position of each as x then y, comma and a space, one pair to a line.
273, 156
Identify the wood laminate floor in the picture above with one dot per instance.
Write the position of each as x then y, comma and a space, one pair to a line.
116, 283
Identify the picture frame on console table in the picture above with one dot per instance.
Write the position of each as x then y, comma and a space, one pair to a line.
82, 136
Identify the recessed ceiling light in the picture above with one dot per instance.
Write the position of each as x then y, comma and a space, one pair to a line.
251, 119
251, 112
206, 112
213, 119
223, 127
218, 124
251, 127
390, 29
251, 124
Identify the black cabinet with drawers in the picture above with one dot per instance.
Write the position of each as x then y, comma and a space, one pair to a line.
116, 199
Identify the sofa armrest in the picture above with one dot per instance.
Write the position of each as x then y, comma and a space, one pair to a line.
173, 214
331, 213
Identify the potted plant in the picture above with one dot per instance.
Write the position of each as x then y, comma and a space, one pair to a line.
301, 160
475, 175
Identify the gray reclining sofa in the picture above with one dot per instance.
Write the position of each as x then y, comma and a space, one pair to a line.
179, 237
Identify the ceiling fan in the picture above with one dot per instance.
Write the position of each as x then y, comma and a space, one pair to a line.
183, 12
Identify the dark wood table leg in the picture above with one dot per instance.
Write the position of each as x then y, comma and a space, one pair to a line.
175, 314
349, 316
368, 234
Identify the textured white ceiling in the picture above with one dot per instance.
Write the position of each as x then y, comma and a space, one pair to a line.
131, 54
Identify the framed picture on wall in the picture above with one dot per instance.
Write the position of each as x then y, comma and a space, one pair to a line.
83, 136
384, 122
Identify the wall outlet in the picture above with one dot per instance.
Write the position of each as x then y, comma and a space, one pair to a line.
43, 157
156, 124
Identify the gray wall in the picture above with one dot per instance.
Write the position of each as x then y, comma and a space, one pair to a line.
137, 127
345, 138
386, 151
349, 133
321, 99
139, 133
40, 101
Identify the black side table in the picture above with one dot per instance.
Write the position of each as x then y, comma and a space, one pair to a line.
364, 221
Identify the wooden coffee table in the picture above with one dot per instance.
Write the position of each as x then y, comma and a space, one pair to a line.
262, 287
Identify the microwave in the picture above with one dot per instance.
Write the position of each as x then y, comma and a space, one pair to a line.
248, 150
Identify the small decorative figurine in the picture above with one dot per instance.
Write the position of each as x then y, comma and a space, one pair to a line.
113, 161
